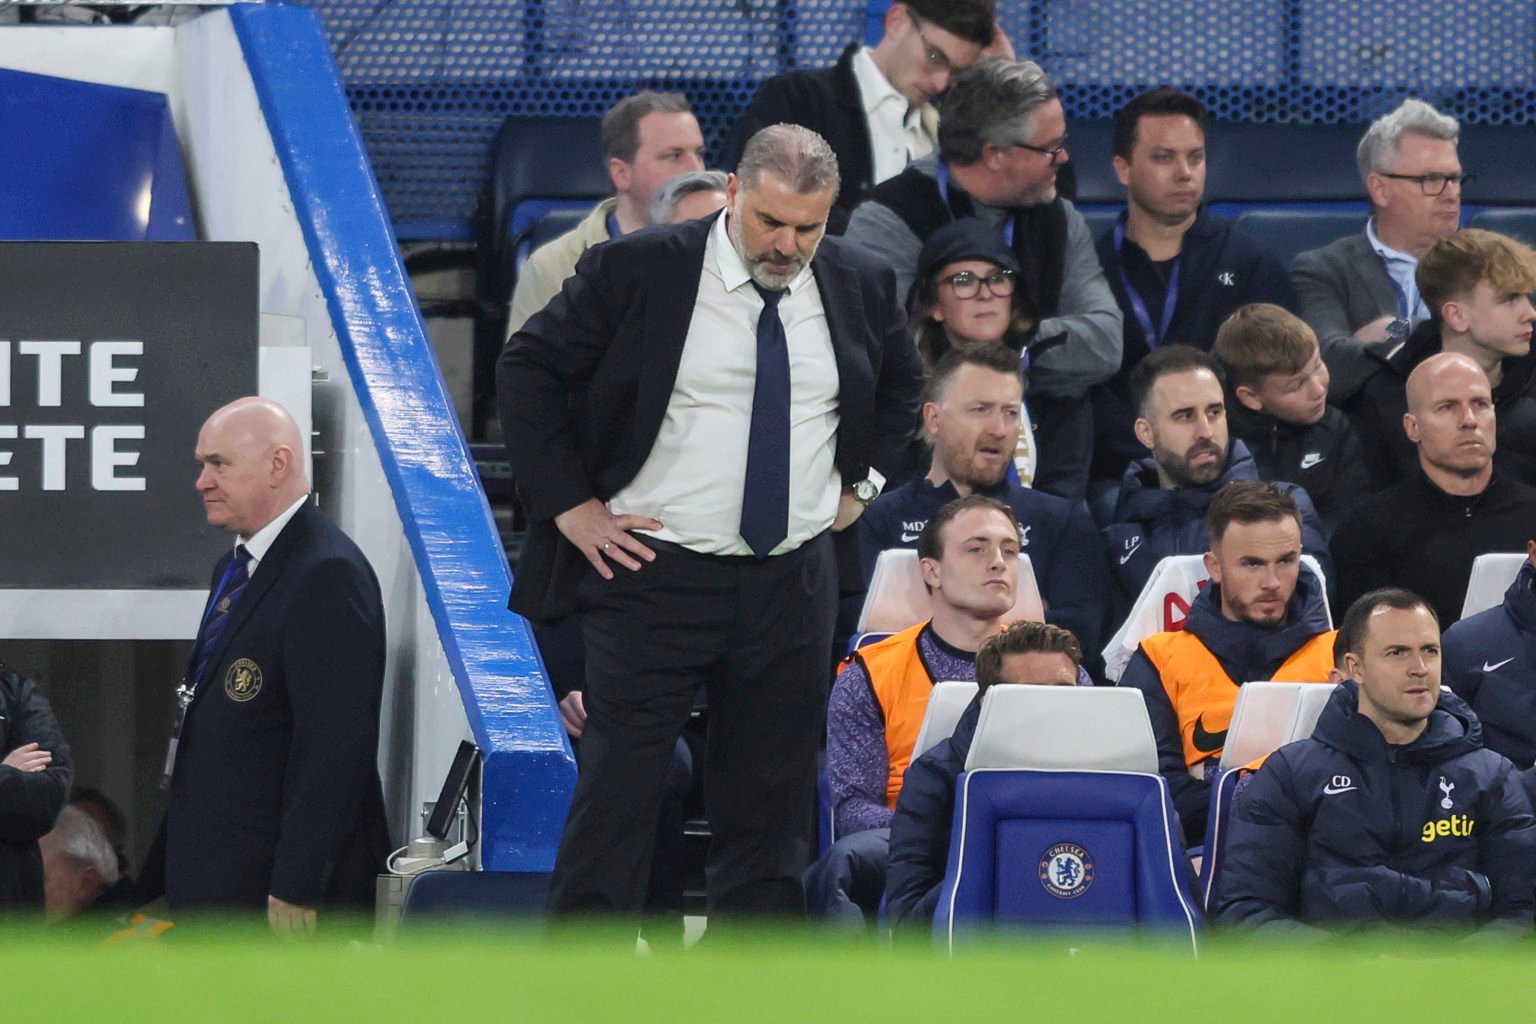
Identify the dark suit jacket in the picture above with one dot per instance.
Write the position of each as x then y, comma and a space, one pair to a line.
828, 102
276, 788
1342, 287
584, 386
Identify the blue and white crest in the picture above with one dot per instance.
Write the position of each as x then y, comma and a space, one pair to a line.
1066, 871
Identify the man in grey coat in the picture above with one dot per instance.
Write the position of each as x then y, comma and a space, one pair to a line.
1359, 293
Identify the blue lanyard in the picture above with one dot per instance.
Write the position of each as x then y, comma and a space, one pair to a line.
1138, 304
613, 224
941, 173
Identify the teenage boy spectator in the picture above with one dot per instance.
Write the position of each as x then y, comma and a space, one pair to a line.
875, 105
1026, 652
972, 413
1277, 374
1176, 269
1477, 285
1490, 661
1262, 617
1161, 511
1424, 533
1392, 810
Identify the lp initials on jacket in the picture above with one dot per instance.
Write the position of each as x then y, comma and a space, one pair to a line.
1458, 825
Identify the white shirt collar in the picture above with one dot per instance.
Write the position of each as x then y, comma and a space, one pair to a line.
732, 268
261, 541
1385, 250
875, 90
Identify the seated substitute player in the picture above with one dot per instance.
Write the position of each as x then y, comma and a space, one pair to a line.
971, 412
1025, 652
1262, 617
1490, 661
1277, 374
1393, 810
969, 559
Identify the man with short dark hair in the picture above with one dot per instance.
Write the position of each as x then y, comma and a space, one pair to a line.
1490, 661
1161, 511
1262, 617
1036, 653
1176, 269
972, 415
649, 139
689, 488
1002, 140
1477, 285
875, 105
1392, 810
1359, 293
1424, 533
969, 559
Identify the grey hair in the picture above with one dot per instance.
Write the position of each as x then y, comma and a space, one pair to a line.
796, 156
991, 102
79, 838
669, 195
1379, 145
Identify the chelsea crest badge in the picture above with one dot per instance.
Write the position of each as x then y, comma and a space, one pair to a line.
242, 681
1066, 871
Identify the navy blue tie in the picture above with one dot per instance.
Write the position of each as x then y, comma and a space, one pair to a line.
765, 495
230, 587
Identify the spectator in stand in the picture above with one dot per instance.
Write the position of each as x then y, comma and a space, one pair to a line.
1263, 617
110, 819
969, 559
1276, 372
79, 864
1359, 293
34, 783
875, 105
1393, 810
1025, 653
1002, 140
650, 138
1161, 510
688, 196
1424, 533
1177, 270
1490, 661
1477, 285
972, 414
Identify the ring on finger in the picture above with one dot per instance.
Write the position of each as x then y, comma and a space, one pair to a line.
607, 545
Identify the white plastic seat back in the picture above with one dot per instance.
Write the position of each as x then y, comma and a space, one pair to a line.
1491, 576
946, 704
1164, 602
897, 598
1063, 728
1270, 715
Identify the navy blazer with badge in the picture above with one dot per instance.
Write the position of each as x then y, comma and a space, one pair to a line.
584, 386
276, 787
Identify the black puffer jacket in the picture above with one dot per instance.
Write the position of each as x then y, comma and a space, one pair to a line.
29, 801
1344, 828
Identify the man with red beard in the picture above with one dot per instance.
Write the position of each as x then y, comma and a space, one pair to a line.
1262, 617
1181, 415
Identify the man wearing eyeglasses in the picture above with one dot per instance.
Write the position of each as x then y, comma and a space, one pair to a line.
1359, 293
1002, 142
875, 105
1177, 270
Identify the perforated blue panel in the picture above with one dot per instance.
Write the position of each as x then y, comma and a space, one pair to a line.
430, 80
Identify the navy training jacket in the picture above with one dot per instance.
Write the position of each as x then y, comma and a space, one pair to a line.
1490, 661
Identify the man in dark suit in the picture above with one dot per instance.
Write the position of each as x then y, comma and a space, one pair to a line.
875, 105
689, 489
275, 801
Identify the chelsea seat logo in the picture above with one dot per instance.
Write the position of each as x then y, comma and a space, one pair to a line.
1066, 871
242, 681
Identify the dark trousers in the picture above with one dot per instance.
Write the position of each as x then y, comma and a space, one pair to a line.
755, 634
843, 888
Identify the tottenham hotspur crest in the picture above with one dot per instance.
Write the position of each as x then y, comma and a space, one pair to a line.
1066, 871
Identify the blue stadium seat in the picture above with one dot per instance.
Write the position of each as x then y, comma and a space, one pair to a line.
547, 228
1101, 219
1500, 155
479, 897
1516, 223
1287, 233
1064, 850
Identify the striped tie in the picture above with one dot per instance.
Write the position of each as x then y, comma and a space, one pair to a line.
230, 589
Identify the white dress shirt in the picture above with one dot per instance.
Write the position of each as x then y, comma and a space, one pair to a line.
897, 134
261, 541
694, 477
